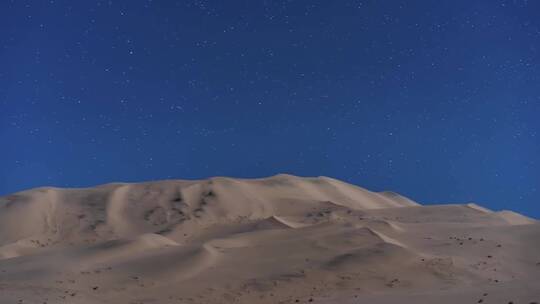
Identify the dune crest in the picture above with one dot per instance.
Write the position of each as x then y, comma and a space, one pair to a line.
282, 239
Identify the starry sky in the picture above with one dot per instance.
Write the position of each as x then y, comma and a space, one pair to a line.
437, 100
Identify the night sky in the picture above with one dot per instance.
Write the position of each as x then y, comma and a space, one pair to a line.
437, 100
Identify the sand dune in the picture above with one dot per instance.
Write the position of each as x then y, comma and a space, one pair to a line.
282, 239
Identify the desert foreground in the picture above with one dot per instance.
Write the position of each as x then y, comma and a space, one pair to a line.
282, 239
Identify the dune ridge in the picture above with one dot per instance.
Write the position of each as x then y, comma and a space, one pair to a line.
282, 239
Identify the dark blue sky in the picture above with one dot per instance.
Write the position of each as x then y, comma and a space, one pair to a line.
437, 100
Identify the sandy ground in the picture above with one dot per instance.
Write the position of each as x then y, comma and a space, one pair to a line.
282, 239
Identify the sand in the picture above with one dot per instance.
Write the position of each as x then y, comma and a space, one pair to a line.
282, 239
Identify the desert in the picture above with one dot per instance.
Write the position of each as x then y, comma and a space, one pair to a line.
281, 239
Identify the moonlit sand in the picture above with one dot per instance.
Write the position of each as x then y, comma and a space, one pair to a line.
282, 239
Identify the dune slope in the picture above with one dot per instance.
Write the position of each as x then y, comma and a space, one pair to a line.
282, 239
